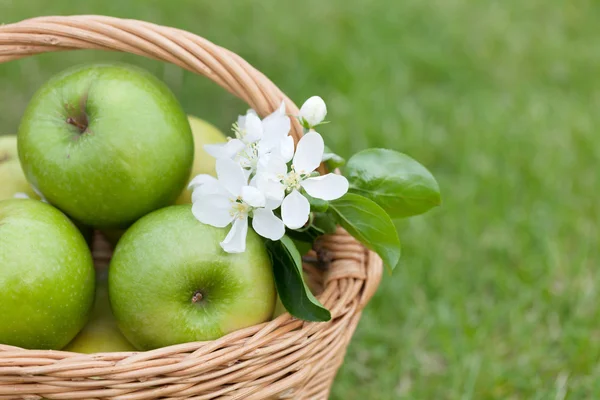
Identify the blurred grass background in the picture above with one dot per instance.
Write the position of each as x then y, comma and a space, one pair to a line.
497, 293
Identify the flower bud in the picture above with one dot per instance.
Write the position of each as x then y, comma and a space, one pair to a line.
313, 111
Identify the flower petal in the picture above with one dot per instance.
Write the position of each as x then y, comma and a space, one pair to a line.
231, 176
233, 147
216, 150
286, 149
253, 197
200, 180
327, 187
267, 225
213, 210
273, 202
276, 127
268, 177
272, 189
272, 166
241, 121
235, 241
280, 111
197, 195
313, 111
203, 185
209, 188
294, 210
309, 153
254, 128
225, 150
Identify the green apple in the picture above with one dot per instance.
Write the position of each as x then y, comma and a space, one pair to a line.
101, 334
12, 179
46, 276
170, 282
106, 144
204, 163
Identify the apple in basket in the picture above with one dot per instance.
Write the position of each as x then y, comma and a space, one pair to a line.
106, 144
170, 281
13, 182
204, 133
12, 179
101, 334
46, 276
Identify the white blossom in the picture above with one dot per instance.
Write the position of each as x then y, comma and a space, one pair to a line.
256, 139
254, 180
277, 183
313, 112
229, 199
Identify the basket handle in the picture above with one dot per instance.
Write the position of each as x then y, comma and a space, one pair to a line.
189, 51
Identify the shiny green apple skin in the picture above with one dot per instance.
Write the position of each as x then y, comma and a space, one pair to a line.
46, 276
203, 133
13, 181
12, 178
106, 144
204, 163
165, 260
101, 334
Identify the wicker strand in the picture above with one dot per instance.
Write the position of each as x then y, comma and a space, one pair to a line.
283, 358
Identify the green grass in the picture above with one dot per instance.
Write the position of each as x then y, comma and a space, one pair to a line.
497, 293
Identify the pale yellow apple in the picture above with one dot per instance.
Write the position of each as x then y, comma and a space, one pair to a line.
101, 334
12, 178
279, 308
204, 163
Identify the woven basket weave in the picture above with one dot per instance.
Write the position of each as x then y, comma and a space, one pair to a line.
281, 359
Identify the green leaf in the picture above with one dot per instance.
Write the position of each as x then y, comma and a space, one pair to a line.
320, 224
396, 182
316, 205
293, 292
369, 224
302, 246
324, 223
308, 235
332, 160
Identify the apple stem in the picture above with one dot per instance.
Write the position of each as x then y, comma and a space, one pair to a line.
81, 119
197, 297
82, 126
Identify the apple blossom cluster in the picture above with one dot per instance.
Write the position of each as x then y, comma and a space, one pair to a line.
260, 176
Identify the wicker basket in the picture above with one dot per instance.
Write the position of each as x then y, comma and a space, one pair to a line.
281, 359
